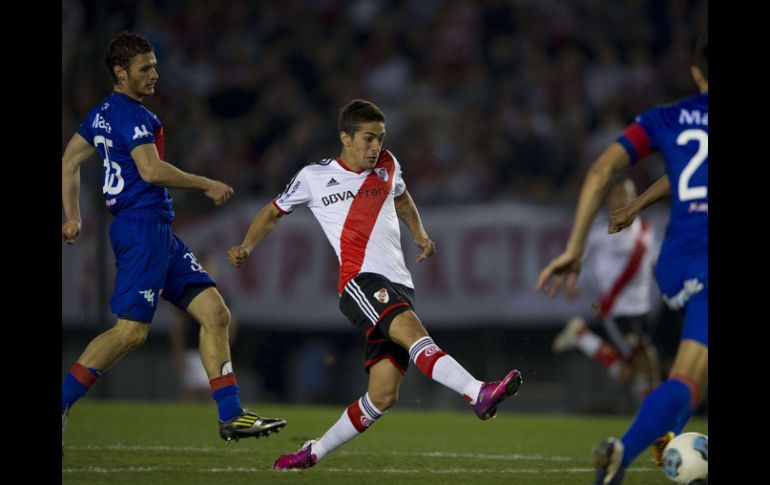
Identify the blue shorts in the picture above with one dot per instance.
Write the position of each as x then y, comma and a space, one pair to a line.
150, 261
683, 281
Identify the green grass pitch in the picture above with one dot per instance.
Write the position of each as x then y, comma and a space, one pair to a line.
161, 442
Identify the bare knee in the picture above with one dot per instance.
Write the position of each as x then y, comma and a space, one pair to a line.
218, 318
384, 399
626, 373
641, 363
406, 329
384, 381
132, 336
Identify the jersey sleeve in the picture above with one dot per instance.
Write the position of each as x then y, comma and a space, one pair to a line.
137, 127
639, 138
399, 186
85, 129
297, 192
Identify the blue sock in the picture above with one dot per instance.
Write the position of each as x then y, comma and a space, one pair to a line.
681, 421
76, 383
662, 411
226, 393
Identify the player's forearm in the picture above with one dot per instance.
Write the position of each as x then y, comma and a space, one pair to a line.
263, 223
78, 150
166, 175
613, 159
70, 191
655, 192
591, 196
406, 210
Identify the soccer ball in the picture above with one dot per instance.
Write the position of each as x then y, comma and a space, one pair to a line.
686, 459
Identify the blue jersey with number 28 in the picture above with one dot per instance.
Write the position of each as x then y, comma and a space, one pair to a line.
115, 127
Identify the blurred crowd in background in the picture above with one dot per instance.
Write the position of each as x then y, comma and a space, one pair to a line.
484, 100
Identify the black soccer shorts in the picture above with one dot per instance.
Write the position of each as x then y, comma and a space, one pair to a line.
371, 302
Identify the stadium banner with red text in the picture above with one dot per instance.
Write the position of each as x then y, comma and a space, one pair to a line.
484, 271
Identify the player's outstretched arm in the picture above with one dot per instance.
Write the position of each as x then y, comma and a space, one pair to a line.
623, 217
564, 269
407, 212
155, 171
263, 223
77, 152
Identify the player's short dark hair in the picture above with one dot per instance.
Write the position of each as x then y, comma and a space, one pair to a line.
122, 49
357, 112
702, 55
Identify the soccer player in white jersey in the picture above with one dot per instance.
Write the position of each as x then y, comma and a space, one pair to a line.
358, 198
619, 267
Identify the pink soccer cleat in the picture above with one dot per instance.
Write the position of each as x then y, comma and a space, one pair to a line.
495, 392
304, 458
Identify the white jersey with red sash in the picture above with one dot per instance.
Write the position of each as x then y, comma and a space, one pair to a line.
356, 212
621, 265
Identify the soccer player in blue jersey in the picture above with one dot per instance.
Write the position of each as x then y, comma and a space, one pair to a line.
680, 133
151, 261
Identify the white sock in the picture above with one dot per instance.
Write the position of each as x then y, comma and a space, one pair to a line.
354, 420
589, 343
597, 349
449, 372
442, 368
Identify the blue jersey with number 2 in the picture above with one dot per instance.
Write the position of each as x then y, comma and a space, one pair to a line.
680, 133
